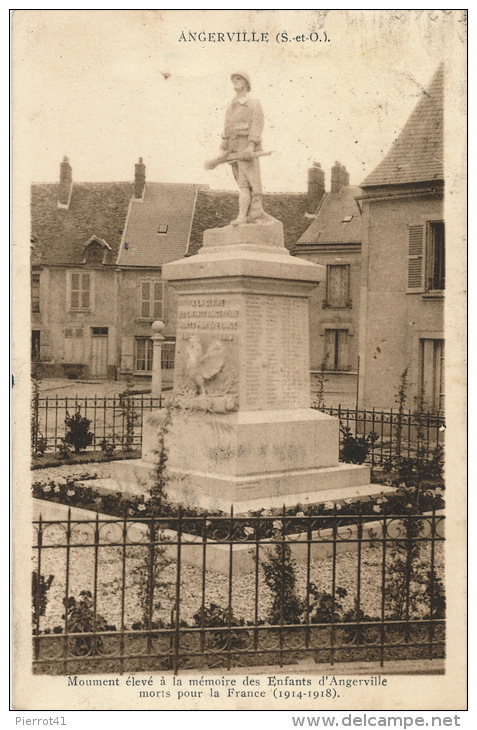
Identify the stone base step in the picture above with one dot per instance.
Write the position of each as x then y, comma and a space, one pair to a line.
215, 504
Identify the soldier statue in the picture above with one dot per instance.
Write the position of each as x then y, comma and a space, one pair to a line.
242, 147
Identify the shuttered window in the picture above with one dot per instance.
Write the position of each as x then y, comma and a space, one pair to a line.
337, 349
431, 368
436, 256
35, 292
426, 257
337, 286
415, 266
151, 293
80, 291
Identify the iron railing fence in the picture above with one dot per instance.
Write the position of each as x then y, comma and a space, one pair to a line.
118, 421
115, 420
184, 593
394, 433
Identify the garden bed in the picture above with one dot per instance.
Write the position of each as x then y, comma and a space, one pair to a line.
49, 460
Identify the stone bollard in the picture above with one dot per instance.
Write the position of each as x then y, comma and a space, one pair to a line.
157, 338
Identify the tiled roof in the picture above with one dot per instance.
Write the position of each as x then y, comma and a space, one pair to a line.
330, 224
96, 209
216, 208
417, 154
101, 209
167, 205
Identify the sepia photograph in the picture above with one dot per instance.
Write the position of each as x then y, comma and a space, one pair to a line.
240, 371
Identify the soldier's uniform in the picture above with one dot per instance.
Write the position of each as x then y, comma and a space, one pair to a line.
243, 134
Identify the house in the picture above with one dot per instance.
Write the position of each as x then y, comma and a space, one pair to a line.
97, 256
403, 264
76, 231
333, 239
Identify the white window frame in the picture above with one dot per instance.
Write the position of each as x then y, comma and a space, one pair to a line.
168, 361
148, 355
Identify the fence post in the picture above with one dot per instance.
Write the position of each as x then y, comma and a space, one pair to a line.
157, 338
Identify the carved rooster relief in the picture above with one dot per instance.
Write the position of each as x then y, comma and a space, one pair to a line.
202, 366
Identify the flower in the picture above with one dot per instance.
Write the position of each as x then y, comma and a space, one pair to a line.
329, 505
248, 530
300, 514
338, 505
57, 489
60, 481
376, 508
141, 506
70, 492
46, 488
277, 525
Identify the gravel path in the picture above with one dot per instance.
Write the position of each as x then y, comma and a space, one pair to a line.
246, 592
243, 587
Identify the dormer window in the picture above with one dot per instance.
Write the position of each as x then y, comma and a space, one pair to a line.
162, 228
95, 251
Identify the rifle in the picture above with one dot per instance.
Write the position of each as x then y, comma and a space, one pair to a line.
232, 157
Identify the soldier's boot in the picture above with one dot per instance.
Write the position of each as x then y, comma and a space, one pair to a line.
256, 212
244, 204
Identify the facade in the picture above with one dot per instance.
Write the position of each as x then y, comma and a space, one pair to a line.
76, 233
403, 265
333, 239
97, 256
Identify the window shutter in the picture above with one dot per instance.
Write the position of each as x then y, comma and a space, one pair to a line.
157, 300
85, 293
127, 354
145, 299
343, 348
415, 260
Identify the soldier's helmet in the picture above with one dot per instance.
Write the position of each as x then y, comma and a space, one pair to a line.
242, 75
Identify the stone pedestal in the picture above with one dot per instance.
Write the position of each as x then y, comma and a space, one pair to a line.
243, 432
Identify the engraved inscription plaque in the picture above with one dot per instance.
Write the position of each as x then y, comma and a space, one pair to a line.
275, 353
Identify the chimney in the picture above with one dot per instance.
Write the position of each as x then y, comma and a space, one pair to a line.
339, 177
139, 178
316, 187
66, 184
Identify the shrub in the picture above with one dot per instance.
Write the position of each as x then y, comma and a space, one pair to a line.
354, 449
64, 451
39, 589
38, 442
81, 618
78, 434
325, 609
280, 577
107, 448
129, 414
215, 616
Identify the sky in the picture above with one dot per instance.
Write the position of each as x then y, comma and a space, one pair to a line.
106, 87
